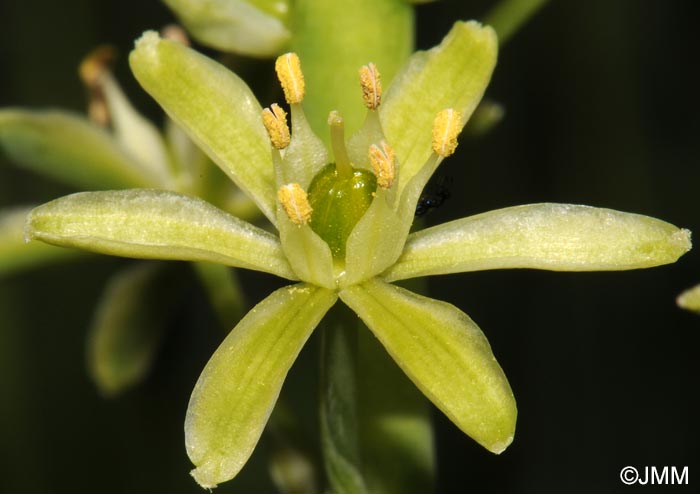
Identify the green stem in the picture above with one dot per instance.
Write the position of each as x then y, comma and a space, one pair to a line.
339, 403
510, 15
334, 38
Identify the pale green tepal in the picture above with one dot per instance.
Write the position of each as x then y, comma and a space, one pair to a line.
690, 299
343, 233
250, 27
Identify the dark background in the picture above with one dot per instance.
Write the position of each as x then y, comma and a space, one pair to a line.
602, 108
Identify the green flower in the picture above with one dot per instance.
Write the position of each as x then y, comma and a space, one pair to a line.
343, 233
116, 148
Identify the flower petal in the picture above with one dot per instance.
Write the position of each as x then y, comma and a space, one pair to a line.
153, 224
128, 326
215, 107
137, 134
238, 388
68, 148
445, 354
234, 25
557, 237
15, 253
307, 253
376, 241
453, 74
690, 299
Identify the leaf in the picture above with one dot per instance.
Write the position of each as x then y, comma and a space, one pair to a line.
68, 148
453, 74
446, 356
238, 388
253, 28
215, 108
128, 326
16, 254
557, 237
153, 224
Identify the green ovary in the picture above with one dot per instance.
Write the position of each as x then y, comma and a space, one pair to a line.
338, 203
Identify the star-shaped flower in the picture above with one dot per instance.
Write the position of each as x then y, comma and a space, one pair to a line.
343, 228
116, 147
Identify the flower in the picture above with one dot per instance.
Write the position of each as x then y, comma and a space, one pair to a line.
116, 148
343, 228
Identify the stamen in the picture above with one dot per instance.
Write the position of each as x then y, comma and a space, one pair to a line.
342, 161
371, 86
95, 63
446, 126
383, 162
288, 68
91, 69
275, 121
295, 203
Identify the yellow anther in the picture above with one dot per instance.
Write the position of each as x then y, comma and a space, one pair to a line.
288, 68
371, 86
275, 121
95, 64
295, 203
446, 126
92, 70
383, 162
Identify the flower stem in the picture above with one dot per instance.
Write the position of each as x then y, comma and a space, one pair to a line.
339, 414
510, 15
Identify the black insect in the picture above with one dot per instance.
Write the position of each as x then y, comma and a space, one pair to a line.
433, 195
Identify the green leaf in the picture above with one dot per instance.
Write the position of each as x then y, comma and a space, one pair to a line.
334, 39
128, 327
557, 237
153, 224
445, 354
254, 28
238, 388
453, 74
216, 109
16, 254
68, 148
